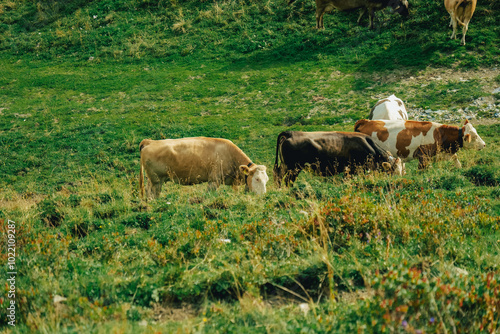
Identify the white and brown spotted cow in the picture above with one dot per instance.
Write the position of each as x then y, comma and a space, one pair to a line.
389, 108
421, 140
461, 12
196, 160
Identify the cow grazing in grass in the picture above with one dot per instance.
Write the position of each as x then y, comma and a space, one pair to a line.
421, 140
461, 12
196, 160
390, 108
329, 153
323, 6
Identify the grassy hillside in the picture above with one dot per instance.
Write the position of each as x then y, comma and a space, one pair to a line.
248, 31
83, 82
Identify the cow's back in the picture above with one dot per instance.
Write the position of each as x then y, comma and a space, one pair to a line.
401, 138
390, 108
332, 152
192, 160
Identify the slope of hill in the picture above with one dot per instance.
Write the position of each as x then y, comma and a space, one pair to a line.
248, 31
83, 82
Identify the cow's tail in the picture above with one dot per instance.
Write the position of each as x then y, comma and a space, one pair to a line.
281, 138
459, 2
143, 144
141, 179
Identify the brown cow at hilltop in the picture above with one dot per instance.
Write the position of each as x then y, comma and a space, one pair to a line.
323, 6
197, 160
460, 13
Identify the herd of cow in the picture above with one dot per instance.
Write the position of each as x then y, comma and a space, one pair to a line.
460, 10
381, 143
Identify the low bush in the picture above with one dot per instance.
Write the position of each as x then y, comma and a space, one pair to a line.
483, 176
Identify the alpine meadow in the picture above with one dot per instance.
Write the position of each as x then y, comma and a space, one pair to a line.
83, 82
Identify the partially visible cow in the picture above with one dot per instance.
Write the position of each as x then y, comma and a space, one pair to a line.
329, 153
323, 6
196, 160
421, 140
389, 108
461, 12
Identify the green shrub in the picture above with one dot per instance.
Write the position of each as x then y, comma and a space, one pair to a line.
50, 213
451, 182
408, 299
483, 176
141, 220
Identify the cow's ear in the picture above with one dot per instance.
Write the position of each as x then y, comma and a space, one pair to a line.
466, 121
244, 169
467, 138
386, 165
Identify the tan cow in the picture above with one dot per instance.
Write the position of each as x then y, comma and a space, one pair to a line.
196, 160
421, 140
461, 12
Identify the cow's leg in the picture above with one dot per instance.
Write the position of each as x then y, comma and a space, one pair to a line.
320, 11
464, 31
278, 176
213, 185
363, 11
452, 157
216, 178
423, 162
454, 25
155, 183
291, 176
372, 17
456, 162
153, 189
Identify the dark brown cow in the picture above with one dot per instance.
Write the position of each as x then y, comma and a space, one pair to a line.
329, 153
421, 140
196, 160
323, 6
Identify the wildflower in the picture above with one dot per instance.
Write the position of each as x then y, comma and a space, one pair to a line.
431, 320
404, 323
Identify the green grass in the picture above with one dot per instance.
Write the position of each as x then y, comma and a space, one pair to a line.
367, 253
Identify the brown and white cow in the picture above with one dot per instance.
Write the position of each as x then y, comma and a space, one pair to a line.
196, 160
461, 12
323, 6
421, 140
329, 153
389, 108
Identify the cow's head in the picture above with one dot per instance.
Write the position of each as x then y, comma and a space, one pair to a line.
395, 166
471, 138
399, 6
256, 177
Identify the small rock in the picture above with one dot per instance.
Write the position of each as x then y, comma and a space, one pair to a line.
304, 307
58, 299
